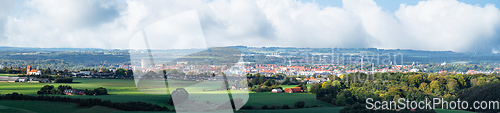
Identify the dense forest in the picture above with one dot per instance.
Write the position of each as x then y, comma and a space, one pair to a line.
353, 88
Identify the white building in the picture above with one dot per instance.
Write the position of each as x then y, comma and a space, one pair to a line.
86, 72
37, 72
144, 63
414, 70
1, 66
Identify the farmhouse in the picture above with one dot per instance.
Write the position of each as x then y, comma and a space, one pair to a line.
4, 79
22, 79
38, 80
293, 90
74, 92
13, 79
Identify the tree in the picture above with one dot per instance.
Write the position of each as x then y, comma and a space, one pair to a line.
268, 83
129, 73
415, 80
423, 87
46, 89
302, 87
462, 81
452, 85
120, 71
243, 83
320, 94
262, 79
473, 82
286, 82
395, 91
61, 88
100, 91
255, 80
47, 71
435, 86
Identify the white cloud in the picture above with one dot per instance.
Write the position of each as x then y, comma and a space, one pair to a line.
429, 25
451, 25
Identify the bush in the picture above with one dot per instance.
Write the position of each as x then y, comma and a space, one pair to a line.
64, 80
89, 102
275, 107
285, 107
247, 107
100, 91
265, 107
299, 104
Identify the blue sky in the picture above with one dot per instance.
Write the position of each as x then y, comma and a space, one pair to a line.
393, 5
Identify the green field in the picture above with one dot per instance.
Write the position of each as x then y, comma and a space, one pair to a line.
49, 107
10, 75
124, 90
451, 111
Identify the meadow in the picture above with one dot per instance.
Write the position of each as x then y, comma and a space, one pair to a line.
124, 90
10, 75
48, 107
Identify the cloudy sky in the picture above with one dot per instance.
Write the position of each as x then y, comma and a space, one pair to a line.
463, 25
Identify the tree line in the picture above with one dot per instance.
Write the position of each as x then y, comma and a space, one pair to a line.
89, 102
353, 88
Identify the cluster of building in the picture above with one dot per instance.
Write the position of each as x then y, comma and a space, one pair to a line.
24, 79
288, 90
74, 92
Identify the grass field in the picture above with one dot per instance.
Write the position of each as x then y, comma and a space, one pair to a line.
10, 75
57, 107
49, 107
451, 111
124, 90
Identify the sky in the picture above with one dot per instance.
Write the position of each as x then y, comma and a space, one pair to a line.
440, 25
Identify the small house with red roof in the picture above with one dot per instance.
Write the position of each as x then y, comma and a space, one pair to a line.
294, 90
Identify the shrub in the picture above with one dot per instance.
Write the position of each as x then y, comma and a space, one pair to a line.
247, 107
265, 107
64, 80
285, 107
275, 107
299, 104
